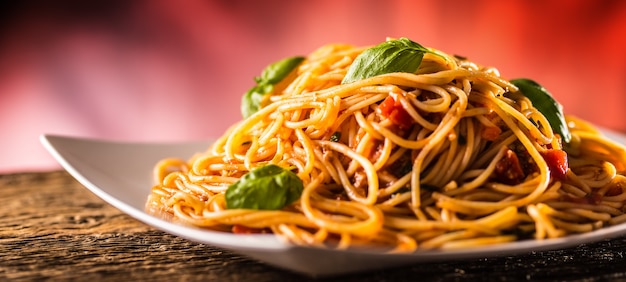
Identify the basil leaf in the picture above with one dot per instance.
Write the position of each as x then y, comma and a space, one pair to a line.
251, 101
266, 188
335, 137
546, 104
275, 72
270, 76
401, 55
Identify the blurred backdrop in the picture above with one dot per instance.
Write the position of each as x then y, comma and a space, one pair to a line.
176, 70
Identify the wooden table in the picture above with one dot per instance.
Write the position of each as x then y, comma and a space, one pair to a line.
52, 228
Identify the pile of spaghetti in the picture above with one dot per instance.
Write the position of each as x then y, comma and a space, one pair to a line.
398, 146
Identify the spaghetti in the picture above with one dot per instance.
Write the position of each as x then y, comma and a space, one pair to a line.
451, 155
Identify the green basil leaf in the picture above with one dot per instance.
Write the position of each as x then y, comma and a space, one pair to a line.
335, 137
546, 104
251, 101
270, 76
275, 72
266, 188
401, 55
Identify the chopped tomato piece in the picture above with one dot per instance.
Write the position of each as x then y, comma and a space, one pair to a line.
490, 133
393, 110
242, 229
557, 162
509, 170
614, 190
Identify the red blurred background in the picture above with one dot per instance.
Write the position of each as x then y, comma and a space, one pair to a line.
176, 70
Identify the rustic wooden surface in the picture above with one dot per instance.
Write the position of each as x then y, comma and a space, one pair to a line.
53, 229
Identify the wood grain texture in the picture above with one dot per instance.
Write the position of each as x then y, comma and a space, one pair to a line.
53, 229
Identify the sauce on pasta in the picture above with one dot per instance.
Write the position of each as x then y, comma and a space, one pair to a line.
451, 155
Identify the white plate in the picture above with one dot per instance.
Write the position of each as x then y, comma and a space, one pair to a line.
121, 174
